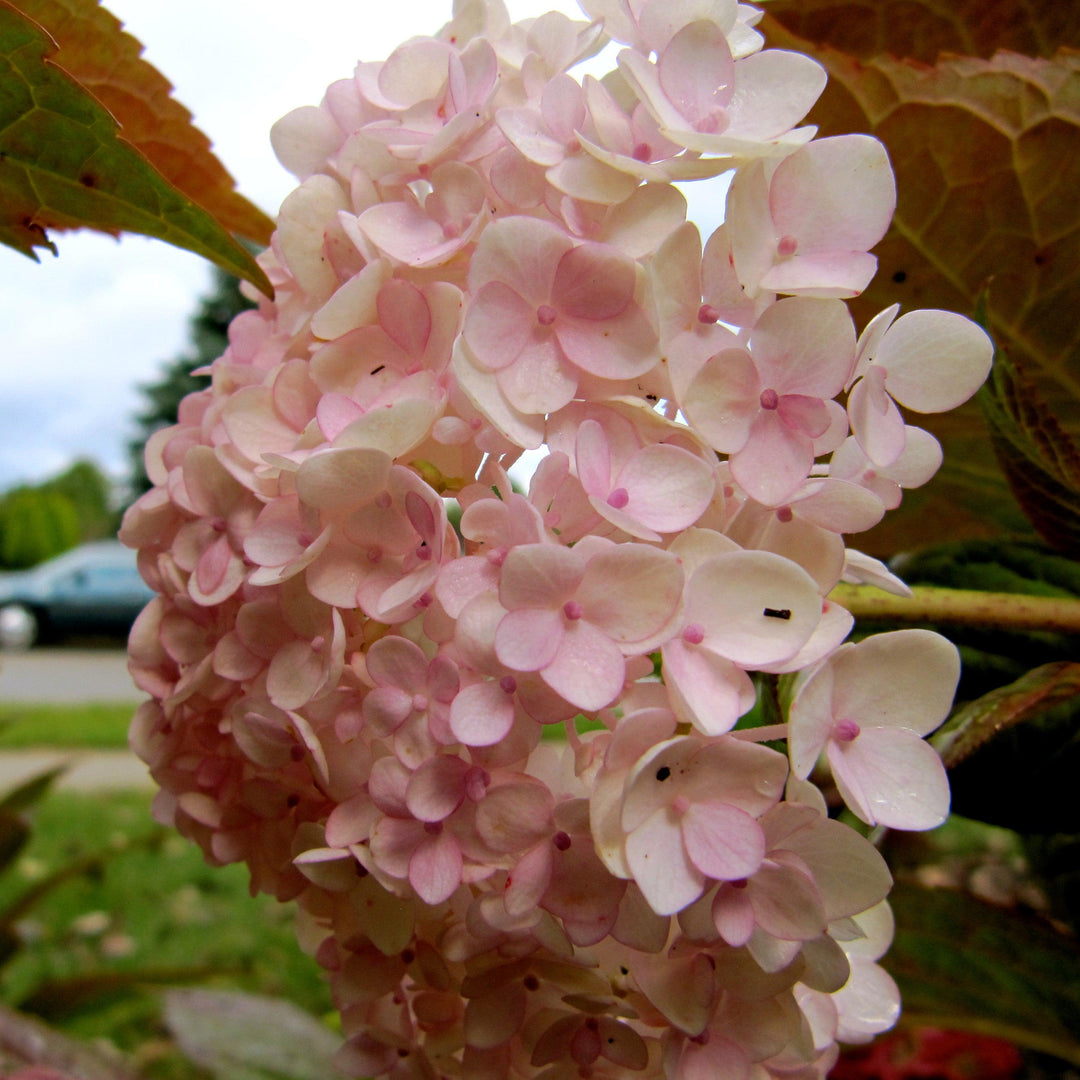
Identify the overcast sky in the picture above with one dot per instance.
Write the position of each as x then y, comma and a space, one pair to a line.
83, 331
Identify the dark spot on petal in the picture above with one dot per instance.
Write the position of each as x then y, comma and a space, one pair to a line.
663, 773
777, 613
900, 277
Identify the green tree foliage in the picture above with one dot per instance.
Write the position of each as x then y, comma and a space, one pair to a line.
209, 336
90, 493
43, 520
36, 524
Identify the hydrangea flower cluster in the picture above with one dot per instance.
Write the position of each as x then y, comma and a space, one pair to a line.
487, 255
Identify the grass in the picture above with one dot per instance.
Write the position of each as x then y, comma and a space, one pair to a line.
151, 912
25, 726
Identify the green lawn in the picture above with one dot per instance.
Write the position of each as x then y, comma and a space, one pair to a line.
92, 950
92, 953
25, 726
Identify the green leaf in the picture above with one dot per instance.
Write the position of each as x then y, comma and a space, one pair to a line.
64, 164
240, 1036
14, 833
993, 566
1039, 459
1014, 754
30, 792
1037, 693
1055, 860
968, 965
106, 61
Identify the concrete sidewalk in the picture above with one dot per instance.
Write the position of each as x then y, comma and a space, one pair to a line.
86, 770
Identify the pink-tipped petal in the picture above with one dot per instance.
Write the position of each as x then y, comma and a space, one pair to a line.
482, 714
588, 670
891, 777
722, 841
435, 868
667, 878
902, 679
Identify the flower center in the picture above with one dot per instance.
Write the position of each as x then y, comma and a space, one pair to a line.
787, 245
693, 634
618, 498
769, 399
573, 610
545, 314
846, 731
476, 783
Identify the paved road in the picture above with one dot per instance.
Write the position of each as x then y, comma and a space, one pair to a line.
53, 674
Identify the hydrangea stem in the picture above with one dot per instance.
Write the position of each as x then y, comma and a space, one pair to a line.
966, 607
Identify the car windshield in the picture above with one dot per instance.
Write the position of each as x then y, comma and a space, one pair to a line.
91, 556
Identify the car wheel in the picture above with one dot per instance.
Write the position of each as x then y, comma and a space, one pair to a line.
18, 628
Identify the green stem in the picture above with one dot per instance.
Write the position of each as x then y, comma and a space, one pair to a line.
999, 611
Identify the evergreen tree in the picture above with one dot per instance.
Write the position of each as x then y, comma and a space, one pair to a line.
209, 326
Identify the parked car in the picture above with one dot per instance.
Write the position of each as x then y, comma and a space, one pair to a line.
92, 589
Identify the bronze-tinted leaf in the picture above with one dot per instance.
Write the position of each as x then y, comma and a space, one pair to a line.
63, 164
921, 29
987, 160
1036, 693
94, 50
1013, 753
